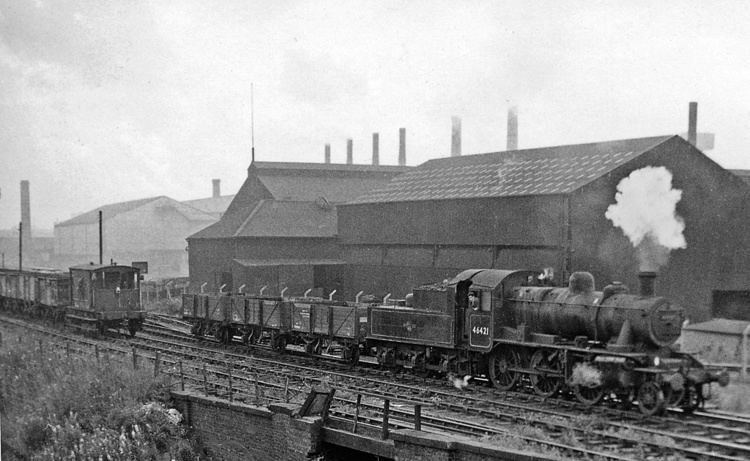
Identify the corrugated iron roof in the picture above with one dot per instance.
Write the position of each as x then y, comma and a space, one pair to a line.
278, 218
543, 171
725, 326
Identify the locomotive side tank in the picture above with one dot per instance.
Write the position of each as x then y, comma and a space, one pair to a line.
603, 316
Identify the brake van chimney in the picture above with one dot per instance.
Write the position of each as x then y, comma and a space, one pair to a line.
217, 188
328, 153
455, 136
349, 151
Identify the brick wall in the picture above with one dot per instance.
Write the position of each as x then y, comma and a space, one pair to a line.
236, 431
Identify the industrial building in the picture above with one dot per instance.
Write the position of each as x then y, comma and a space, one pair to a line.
151, 229
280, 229
545, 207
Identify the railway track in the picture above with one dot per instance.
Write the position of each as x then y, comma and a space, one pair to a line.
700, 435
266, 376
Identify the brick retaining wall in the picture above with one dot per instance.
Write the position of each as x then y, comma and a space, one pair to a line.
237, 431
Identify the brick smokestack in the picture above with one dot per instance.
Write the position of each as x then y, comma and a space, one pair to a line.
217, 187
693, 123
375, 149
328, 153
26, 214
349, 151
455, 136
512, 128
402, 146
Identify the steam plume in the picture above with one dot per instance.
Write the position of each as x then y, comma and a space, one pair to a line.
646, 213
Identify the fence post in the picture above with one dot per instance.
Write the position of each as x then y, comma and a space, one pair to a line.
182, 378
418, 417
156, 364
356, 413
229, 370
257, 390
67, 349
205, 381
96, 351
386, 411
41, 350
135, 359
1, 338
286, 390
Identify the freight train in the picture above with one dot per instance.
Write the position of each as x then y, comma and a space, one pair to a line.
506, 326
90, 297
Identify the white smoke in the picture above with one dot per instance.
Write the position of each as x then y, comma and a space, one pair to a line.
646, 213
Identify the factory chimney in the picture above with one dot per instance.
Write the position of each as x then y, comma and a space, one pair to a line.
217, 187
349, 151
512, 128
693, 123
26, 214
375, 149
456, 137
402, 147
328, 153
647, 280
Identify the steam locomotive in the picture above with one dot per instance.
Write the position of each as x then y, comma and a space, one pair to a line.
504, 325
90, 297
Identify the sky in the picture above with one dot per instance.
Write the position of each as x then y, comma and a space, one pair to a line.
107, 101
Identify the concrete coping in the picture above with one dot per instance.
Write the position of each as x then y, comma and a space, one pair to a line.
223, 403
451, 443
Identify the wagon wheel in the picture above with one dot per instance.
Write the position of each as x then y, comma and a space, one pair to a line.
547, 376
132, 328
420, 365
501, 367
279, 343
246, 337
589, 395
310, 346
350, 353
650, 398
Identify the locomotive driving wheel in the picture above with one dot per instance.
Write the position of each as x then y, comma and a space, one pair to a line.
650, 398
547, 372
503, 363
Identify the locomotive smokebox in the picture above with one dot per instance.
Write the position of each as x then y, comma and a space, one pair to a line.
647, 280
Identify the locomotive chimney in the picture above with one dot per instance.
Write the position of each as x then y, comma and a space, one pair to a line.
328, 153
512, 129
402, 146
693, 123
456, 137
375, 149
217, 187
26, 214
349, 151
647, 280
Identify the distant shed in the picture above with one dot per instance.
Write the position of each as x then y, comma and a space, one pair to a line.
715, 341
546, 207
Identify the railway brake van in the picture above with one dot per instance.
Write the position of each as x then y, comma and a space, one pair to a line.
105, 296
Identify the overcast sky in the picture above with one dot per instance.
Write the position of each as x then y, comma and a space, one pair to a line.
102, 102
